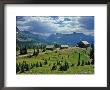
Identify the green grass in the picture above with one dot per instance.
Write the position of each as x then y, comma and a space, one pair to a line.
70, 55
71, 70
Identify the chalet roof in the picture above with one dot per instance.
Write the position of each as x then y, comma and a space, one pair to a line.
85, 42
64, 46
50, 46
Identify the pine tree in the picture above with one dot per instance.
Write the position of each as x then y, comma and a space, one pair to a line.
58, 62
88, 62
78, 63
17, 68
60, 68
78, 60
92, 54
27, 67
37, 64
40, 64
54, 67
79, 57
22, 68
72, 65
68, 56
45, 62
82, 63
92, 62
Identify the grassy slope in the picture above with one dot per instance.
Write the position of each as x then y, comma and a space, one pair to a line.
70, 55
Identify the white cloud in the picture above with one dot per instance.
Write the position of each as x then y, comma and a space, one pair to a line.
44, 24
25, 28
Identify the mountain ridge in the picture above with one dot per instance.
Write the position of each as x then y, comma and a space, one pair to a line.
59, 38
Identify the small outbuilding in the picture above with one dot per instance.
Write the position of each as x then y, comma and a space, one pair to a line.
64, 46
83, 44
50, 47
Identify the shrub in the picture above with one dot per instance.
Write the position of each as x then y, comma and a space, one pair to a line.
58, 63
78, 60
62, 57
55, 51
92, 62
45, 62
79, 57
59, 54
64, 67
17, 67
88, 63
31, 66
72, 65
49, 64
27, 67
82, 63
60, 68
35, 53
43, 50
68, 56
54, 67
24, 66
37, 64
78, 64
40, 64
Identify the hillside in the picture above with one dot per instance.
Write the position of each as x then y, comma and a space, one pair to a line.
53, 62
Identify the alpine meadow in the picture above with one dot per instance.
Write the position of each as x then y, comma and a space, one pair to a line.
54, 45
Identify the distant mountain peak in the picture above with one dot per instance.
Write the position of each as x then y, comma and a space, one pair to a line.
60, 38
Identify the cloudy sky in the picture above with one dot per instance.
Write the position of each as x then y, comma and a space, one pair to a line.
47, 25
